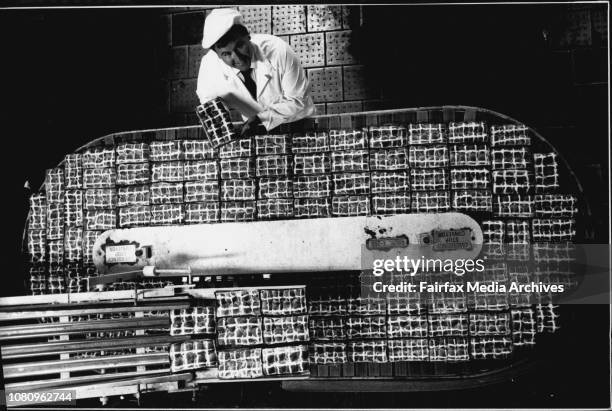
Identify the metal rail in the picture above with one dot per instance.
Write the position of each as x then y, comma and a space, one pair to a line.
31, 314
88, 297
210, 376
91, 304
14, 332
56, 367
85, 380
55, 348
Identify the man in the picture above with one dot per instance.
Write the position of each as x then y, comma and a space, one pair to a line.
258, 75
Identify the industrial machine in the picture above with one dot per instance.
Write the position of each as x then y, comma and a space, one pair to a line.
159, 263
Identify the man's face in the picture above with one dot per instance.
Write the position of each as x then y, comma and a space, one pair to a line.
236, 54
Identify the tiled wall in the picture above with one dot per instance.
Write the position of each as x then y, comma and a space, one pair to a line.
320, 35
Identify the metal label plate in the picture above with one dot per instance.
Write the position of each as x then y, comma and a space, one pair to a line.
454, 239
120, 254
386, 243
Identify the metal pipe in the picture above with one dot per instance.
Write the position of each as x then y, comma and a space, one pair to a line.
94, 303
54, 348
24, 315
56, 367
47, 330
90, 297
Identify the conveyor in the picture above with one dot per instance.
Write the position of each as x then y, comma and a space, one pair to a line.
128, 305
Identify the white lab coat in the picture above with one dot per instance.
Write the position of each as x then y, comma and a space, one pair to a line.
282, 87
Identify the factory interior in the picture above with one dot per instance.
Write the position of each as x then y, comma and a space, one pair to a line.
107, 153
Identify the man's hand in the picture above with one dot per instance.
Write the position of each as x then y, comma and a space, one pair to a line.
250, 127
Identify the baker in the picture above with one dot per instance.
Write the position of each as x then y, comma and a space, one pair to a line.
258, 75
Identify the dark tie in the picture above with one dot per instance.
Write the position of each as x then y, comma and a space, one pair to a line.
250, 83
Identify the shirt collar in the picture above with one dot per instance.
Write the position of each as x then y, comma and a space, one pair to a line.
256, 57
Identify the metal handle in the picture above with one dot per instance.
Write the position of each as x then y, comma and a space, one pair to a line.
151, 271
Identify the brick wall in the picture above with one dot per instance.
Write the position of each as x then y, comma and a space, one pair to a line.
320, 35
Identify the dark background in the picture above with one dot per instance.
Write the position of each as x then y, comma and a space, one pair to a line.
69, 76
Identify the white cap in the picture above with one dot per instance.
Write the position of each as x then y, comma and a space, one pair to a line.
217, 23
